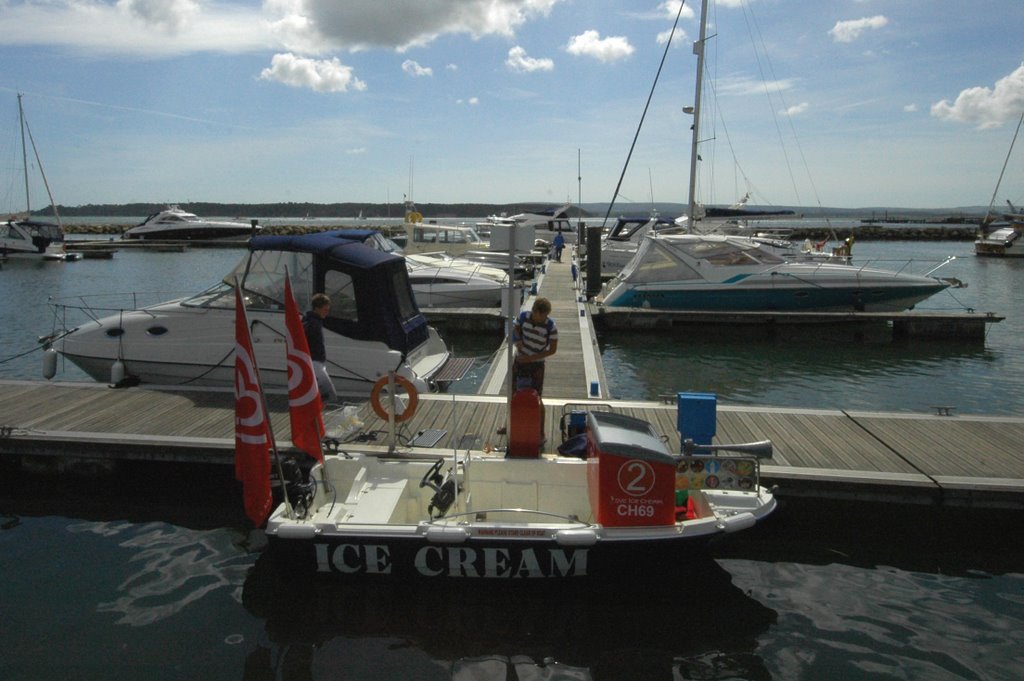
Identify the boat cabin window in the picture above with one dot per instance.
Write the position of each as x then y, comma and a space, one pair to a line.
432, 234
342, 292
403, 294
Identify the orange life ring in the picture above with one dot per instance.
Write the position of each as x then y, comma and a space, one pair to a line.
400, 382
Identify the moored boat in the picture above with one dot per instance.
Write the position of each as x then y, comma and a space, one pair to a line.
173, 223
714, 272
374, 325
629, 506
1002, 238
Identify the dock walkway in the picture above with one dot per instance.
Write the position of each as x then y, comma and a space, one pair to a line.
575, 371
911, 458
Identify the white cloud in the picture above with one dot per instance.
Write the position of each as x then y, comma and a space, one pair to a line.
670, 8
319, 75
129, 27
796, 109
678, 40
451, 67
518, 61
309, 27
399, 24
743, 86
988, 108
415, 70
356, 151
848, 31
472, 101
910, 108
591, 44
170, 15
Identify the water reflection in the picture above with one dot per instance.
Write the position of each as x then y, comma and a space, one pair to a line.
813, 369
173, 568
636, 628
952, 541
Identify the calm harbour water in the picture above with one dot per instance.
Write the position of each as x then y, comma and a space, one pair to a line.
157, 575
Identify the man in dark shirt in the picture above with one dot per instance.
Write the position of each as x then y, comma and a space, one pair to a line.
313, 325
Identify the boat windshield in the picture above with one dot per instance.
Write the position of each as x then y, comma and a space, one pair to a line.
729, 253
263, 283
625, 229
656, 262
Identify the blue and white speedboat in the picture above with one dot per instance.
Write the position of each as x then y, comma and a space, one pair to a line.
374, 326
724, 273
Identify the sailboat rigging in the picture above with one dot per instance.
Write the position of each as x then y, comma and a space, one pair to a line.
20, 234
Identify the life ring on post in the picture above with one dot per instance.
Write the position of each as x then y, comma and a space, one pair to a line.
401, 382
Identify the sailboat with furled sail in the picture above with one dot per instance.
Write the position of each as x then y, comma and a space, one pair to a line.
20, 234
1000, 236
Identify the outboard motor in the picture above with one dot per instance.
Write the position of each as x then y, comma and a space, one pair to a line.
298, 486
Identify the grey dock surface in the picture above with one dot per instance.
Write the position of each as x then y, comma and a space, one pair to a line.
575, 371
907, 458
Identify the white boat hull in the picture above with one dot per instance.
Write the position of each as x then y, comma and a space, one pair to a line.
175, 344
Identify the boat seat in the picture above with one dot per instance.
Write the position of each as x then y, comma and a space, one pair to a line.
375, 501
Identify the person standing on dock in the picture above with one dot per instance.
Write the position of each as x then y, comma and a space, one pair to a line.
313, 325
535, 337
559, 245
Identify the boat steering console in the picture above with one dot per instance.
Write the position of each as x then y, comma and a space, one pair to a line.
444, 489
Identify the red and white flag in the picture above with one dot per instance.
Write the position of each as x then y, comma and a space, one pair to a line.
304, 406
253, 437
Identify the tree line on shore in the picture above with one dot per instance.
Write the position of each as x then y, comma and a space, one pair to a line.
302, 210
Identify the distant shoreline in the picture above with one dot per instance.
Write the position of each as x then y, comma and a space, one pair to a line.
864, 232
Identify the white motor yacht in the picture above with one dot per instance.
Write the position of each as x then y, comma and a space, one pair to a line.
442, 281
175, 223
717, 272
374, 324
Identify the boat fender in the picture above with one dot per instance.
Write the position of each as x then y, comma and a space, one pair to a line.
735, 523
116, 372
49, 363
297, 531
578, 537
446, 534
400, 382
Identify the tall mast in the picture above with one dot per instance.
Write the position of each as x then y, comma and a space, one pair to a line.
698, 49
24, 155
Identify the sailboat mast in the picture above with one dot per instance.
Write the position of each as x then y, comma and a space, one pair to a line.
698, 49
1006, 161
24, 156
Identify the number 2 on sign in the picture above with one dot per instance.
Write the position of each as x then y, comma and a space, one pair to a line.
636, 478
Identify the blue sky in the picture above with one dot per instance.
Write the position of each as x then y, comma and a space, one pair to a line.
847, 103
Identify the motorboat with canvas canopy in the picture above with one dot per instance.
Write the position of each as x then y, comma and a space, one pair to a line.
374, 326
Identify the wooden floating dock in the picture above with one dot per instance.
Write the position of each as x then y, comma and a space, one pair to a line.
940, 459
909, 458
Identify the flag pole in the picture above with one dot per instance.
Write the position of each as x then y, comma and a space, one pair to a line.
266, 411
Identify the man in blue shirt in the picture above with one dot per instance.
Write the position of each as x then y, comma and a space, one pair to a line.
313, 325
